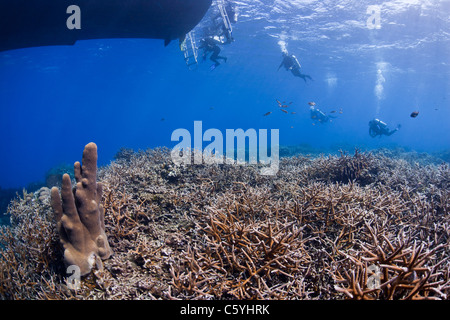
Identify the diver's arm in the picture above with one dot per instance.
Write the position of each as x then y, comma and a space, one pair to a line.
282, 62
372, 133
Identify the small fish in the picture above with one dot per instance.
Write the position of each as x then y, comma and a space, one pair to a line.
267, 113
285, 111
340, 111
290, 102
293, 112
333, 111
414, 114
292, 127
313, 117
313, 124
279, 102
162, 119
312, 103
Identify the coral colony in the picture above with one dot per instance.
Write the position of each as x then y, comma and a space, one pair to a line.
362, 226
80, 215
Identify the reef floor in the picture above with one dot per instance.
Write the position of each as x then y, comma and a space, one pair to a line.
351, 226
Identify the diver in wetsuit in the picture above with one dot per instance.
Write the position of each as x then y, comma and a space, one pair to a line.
231, 12
291, 63
209, 45
318, 115
379, 128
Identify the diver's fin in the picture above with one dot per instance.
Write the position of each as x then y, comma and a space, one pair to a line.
166, 42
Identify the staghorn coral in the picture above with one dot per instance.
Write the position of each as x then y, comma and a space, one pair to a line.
345, 168
226, 232
249, 242
29, 251
393, 269
80, 216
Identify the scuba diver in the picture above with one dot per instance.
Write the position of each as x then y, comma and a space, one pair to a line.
219, 25
318, 115
210, 45
379, 128
291, 63
231, 11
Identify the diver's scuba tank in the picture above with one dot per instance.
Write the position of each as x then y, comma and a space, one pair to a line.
381, 123
297, 64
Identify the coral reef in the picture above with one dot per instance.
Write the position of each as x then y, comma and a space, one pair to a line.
362, 226
79, 215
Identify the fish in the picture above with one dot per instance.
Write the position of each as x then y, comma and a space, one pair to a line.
313, 124
414, 114
285, 111
333, 111
267, 113
312, 103
39, 23
282, 104
340, 111
293, 112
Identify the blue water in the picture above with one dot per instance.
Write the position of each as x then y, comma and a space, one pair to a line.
135, 93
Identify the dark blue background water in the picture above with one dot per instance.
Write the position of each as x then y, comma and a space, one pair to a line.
135, 93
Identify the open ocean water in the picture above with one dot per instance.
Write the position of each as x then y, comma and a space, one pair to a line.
367, 59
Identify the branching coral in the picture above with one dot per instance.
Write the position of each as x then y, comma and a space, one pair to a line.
393, 269
344, 168
250, 242
365, 226
29, 250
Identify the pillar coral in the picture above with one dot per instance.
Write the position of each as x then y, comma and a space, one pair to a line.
80, 215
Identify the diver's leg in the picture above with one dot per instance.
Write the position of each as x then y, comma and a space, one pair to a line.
296, 72
390, 133
215, 56
223, 58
